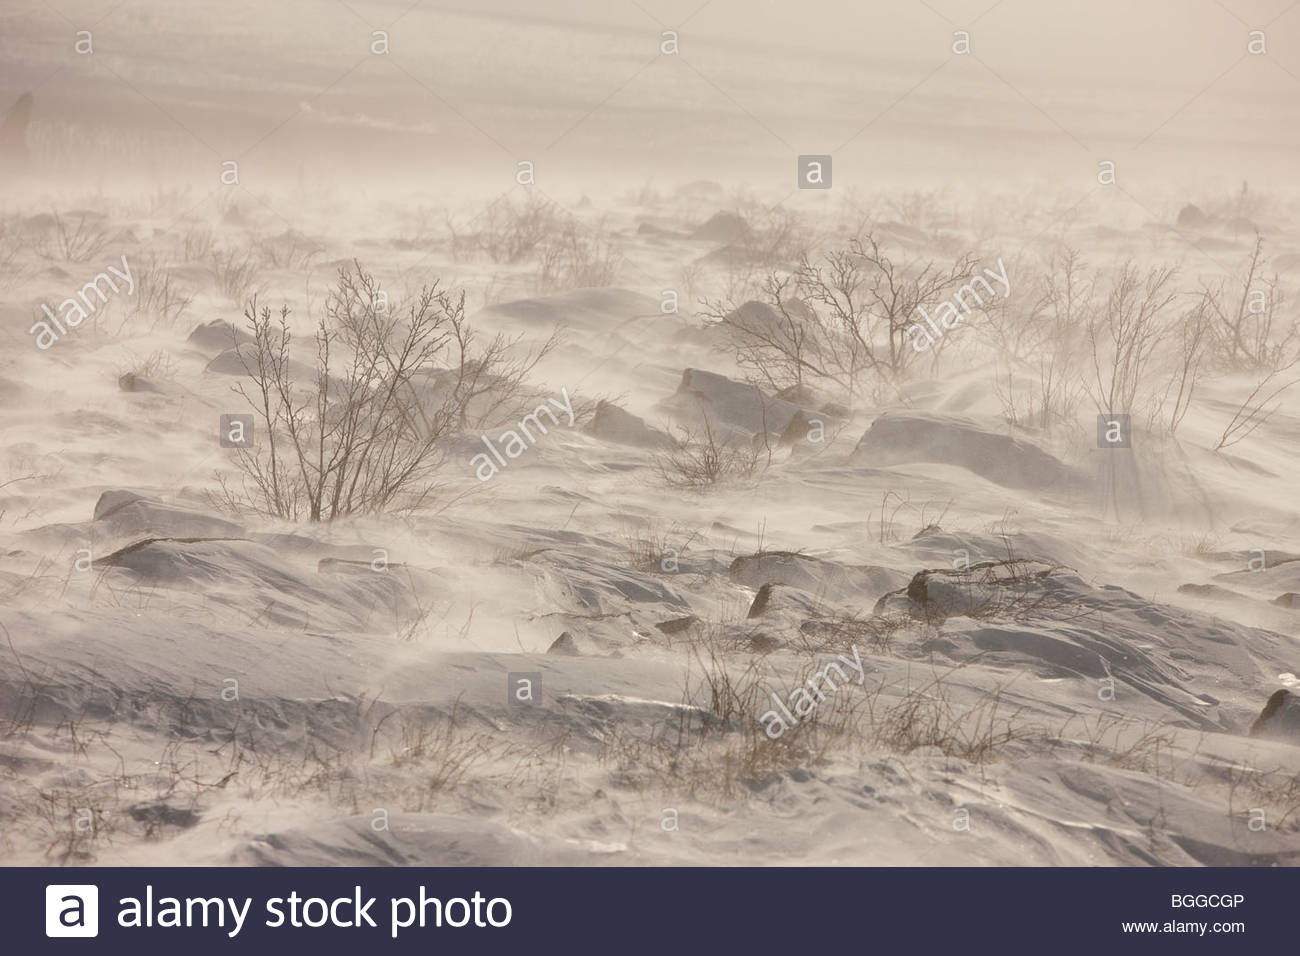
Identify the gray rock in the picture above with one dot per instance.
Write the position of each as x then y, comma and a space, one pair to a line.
1280, 718
724, 401
800, 427
904, 437
592, 309
217, 336
1209, 592
761, 600
721, 227
243, 359
156, 815
614, 424
111, 501
650, 229
990, 588
677, 624
125, 512
130, 382
564, 646
825, 579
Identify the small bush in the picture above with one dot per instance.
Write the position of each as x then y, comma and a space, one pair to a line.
647, 547
576, 258
702, 459
158, 296
390, 386
197, 244
839, 322
289, 250
511, 233
235, 273
77, 237
156, 366
925, 717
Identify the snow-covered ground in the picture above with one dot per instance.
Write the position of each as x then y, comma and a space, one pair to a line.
902, 630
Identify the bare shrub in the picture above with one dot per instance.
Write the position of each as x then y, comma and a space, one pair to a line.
769, 239
889, 527
235, 273
1124, 335
1121, 741
891, 503
462, 244
717, 743
77, 237
1019, 590
158, 296
703, 458
1254, 409
780, 348
841, 631
1276, 790
1250, 330
289, 250
872, 298
1237, 206
78, 820
1188, 361
575, 257
915, 208
735, 699
1014, 589
648, 546
512, 232
390, 386
690, 275
1144, 357
441, 749
19, 723
1044, 336
733, 747
1020, 323
835, 321
155, 366
197, 244
926, 717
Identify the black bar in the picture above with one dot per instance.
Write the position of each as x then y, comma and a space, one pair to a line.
668, 911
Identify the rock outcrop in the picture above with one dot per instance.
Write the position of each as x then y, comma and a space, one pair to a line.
1280, 718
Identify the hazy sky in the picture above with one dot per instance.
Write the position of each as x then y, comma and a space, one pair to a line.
1167, 90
